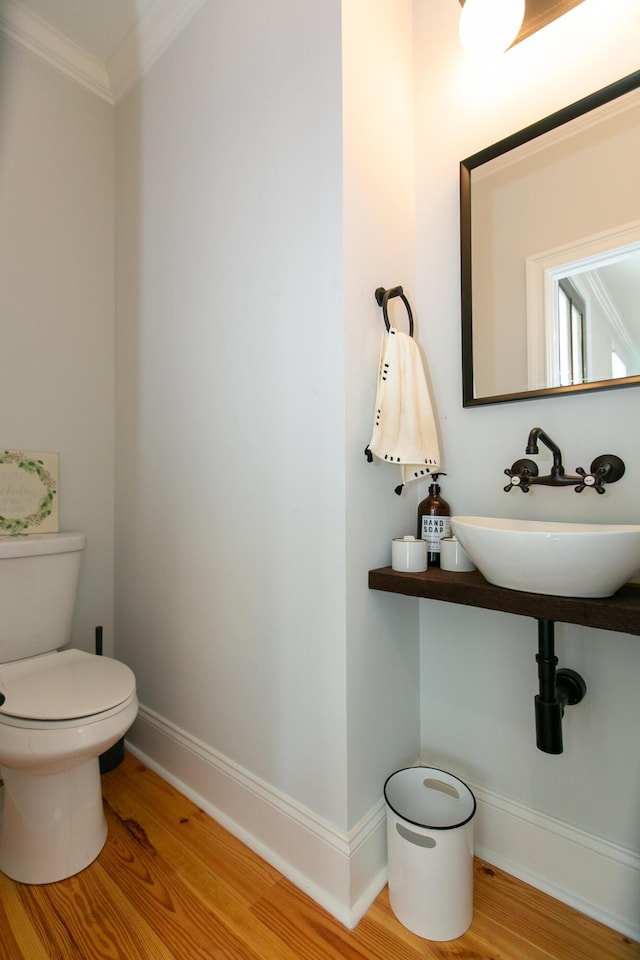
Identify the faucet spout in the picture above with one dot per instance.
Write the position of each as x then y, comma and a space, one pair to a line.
532, 447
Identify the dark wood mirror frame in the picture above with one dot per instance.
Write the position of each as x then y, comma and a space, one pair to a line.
591, 102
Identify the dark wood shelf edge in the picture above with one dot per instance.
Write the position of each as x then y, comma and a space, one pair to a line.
620, 613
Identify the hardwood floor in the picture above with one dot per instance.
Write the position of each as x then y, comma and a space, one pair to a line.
171, 884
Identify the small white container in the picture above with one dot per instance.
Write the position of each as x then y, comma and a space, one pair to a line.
453, 557
430, 851
409, 555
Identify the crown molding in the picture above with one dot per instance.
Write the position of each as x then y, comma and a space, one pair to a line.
33, 34
161, 23
151, 36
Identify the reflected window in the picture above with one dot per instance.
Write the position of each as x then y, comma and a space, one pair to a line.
618, 366
571, 334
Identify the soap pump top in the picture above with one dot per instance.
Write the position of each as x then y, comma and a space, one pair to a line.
433, 521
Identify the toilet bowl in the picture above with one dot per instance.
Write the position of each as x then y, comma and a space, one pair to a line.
59, 710
53, 822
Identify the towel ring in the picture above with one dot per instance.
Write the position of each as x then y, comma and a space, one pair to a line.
382, 298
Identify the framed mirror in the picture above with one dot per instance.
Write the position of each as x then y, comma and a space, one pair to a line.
550, 254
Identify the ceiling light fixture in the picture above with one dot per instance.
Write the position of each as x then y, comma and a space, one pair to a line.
489, 27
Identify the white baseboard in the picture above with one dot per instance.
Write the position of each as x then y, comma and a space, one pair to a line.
343, 872
598, 878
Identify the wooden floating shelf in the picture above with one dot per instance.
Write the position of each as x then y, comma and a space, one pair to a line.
620, 613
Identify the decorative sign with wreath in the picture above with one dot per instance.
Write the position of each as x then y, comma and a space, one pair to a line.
28, 492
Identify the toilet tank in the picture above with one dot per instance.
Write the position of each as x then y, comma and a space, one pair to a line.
39, 576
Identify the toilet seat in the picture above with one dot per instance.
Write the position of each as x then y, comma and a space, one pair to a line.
63, 685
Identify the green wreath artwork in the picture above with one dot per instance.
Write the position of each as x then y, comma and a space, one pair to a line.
21, 524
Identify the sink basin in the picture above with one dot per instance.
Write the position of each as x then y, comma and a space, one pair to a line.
560, 559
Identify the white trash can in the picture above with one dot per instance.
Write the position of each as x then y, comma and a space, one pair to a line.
430, 851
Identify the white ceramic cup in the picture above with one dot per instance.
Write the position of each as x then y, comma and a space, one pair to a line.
453, 557
409, 555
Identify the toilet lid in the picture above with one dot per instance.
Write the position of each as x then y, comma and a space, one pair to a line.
63, 686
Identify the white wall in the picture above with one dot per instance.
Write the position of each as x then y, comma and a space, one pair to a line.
56, 303
379, 245
247, 350
478, 669
230, 530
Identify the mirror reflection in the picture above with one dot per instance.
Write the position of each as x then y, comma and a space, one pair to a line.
550, 228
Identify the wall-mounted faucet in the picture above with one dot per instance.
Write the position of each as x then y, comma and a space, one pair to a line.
524, 473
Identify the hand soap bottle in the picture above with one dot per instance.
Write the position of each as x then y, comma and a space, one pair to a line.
434, 522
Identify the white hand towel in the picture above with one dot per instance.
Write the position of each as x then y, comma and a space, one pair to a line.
404, 430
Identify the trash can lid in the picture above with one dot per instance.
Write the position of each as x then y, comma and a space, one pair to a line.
427, 797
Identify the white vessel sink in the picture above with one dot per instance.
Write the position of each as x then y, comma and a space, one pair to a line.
560, 559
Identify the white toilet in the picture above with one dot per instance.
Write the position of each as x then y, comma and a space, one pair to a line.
59, 710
